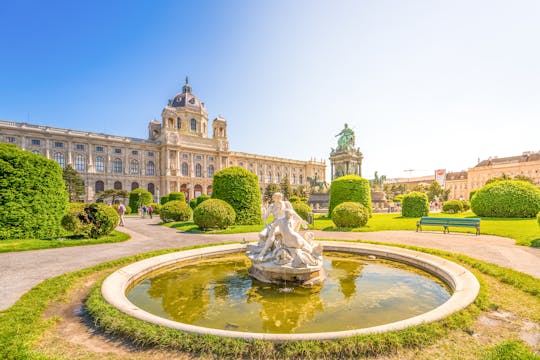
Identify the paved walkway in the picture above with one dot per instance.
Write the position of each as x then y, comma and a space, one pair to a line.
20, 271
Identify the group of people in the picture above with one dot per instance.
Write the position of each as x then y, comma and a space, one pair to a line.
143, 210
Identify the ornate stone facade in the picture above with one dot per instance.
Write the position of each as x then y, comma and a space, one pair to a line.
178, 155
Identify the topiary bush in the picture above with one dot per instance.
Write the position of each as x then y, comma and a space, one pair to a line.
214, 214
157, 208
240, 189
177, 195
33, 197
176, 210
294, 199
466, 205
72, 220
507, 199
145, 199
202, 198
452, 206
471, 194
193, 204
350, 214
90, 220
302, 209
415, 204
164, 200
350, 188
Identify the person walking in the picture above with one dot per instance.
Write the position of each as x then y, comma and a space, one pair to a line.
150, 210
121, 211
144, 210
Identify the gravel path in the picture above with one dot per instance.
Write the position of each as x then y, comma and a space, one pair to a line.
20, 271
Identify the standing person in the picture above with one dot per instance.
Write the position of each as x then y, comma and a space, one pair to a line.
144, 210
150, 210
121, 211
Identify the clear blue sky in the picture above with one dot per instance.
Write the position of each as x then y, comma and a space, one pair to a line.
424, 84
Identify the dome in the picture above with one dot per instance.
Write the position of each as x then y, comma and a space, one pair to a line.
186, 99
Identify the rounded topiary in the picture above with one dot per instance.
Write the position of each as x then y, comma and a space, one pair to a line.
240, 189
415, 204
202, 198
157, 208
302, 209
452, 206
72, 219
350, 214
33, 196
177, 195
471, 194
214, 214
90, 220
350, 188
193, 204
164, 200
135, 201
176, 210
507, 199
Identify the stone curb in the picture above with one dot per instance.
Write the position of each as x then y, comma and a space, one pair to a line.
463, 283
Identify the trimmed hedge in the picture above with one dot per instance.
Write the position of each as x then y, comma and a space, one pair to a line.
90, 220
176, 210
240, 189
164, 200
350, 215
146, 199
415, 204
350, 188
452, 206
156, 208
177, 195
507, 199
302, 209
214, 214
33, 197
193, 203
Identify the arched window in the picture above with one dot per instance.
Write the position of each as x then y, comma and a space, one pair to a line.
179, 123
276, 178
183, 188
150, 169
134, 185
151, 188
193, 125
100, 164
198, 190
260, 175
269, 177
210, 171
59, 158
100, 186
80, 163
209, 190
117, 185
117, 166
198, 170
301, 179
185, 169
134, 167
293, 179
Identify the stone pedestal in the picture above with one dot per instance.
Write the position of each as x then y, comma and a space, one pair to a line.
269, 272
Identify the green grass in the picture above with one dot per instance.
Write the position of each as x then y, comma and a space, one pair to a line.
526, 232
190, 227
36, 244
510, 349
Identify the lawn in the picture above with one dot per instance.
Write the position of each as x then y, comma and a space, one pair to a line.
190, 227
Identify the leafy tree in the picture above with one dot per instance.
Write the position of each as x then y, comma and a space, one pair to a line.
74, 183
300, 191
113, 194
285, 186
270, 190
435, 189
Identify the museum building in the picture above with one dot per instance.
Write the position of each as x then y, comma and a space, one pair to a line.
179, 154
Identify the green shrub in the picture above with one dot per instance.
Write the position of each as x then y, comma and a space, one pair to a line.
452, 206
176, 210
135, 200
156, 208
177, 195
164, 200
33, 197
240, 189
398, 198
294, 199
350, 214
538, 218
202, 198
466, 205
471, 194
90, 220
214, 214
507, 199
193, 204
350, 188
415, 204
302, 209
72, 220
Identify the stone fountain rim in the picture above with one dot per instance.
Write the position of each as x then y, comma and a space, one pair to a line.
463, 283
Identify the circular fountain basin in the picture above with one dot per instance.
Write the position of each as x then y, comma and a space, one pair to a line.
463, 284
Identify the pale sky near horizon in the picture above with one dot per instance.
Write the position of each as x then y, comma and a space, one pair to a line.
424, 84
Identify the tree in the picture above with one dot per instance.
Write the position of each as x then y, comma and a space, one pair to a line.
300, 191
74, 183
270, 190
433, 190
524, 178
113, 194
286, 189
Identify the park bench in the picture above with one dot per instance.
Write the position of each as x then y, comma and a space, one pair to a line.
446, 222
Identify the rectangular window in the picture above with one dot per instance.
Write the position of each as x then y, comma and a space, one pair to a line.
185, 156
134, 152
36, 142
198, 157
150, 153
210, 158
58, 144
117, 151
79, 147
11, 139
99, 149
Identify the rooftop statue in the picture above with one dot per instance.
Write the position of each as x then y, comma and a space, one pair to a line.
346, 139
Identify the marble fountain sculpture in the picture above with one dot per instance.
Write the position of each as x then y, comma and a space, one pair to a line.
283, 255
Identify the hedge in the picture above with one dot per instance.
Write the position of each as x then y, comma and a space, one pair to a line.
214, 214
177, 195
176, 210
415, 204
302, 209
351, 188
240, 189
33, 197
90, 220
164, 200
145, 198
507, 199
350, 215
452, 206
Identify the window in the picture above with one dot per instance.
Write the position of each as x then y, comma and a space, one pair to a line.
151, 188
117, 151
260, 175
269, 177
80, 163
193, 125
117, 166
179, 123
117, 185
209, 190
150, 153
59, 158
36, 142
276, 178
301, 179
150, 169
11, 139
99, 148
100, 164
134, 167
185, 156
198, 170
134, 152
210, 158
79, 147
58, 145
241, 164
293, 179
100, 186
185, 169
198, 157
134, 185
210, 171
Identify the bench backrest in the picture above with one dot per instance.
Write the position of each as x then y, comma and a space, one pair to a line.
426, 220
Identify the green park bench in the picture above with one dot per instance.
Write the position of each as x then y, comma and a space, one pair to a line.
446, 222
